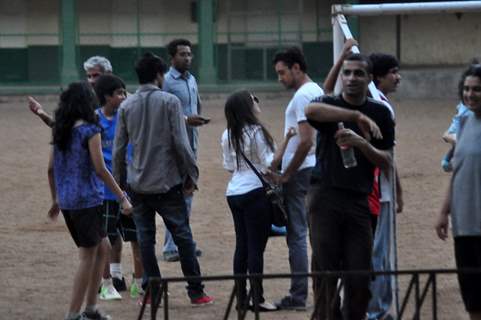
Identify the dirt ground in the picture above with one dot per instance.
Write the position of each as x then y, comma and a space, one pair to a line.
38, 257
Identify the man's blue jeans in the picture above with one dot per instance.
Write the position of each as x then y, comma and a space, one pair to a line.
295, 191
384, 287
169, 244
171, 207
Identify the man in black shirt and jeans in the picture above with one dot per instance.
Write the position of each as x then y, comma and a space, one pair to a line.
341, 236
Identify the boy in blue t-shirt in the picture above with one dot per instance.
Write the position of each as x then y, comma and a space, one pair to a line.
111, 92
450, 135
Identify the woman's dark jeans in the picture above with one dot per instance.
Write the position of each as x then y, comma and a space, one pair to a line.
251, 213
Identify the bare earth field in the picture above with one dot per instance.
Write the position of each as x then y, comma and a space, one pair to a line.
38, 257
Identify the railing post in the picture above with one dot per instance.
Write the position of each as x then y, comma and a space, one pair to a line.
165, 293
435, 301
326, 283
319, 287
405, 300
142, 308
327, 291
416, 296
231, 301
255, 295
240, 311
155, 297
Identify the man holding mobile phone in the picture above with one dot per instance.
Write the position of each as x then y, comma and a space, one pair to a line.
181, 83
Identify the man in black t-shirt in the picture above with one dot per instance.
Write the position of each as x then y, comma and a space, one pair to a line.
341, 236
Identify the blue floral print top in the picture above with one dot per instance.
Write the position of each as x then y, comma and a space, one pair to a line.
77, 184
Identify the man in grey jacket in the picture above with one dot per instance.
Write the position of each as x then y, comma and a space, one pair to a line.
162, 170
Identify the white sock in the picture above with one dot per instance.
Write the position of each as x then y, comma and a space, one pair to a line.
106, 282
91, 309
116, 270
72, 315
138, 281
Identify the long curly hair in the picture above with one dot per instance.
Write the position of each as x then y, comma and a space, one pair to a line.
239, 114
78, 102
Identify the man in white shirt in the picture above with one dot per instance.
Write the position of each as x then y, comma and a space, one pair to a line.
383, 303
297, 163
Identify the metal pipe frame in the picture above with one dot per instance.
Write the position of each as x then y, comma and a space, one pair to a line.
340, 32
406, 8
413, 290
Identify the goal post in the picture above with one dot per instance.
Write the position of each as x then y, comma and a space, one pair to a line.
341, 32
406, 8
341, 29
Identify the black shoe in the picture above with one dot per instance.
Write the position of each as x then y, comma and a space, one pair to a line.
119, 284
287, 303
171, 256
96, 315
242, 306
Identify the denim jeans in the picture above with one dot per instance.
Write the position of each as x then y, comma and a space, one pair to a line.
384, 287
251, 215
171, 207
169, 244
295, 191
341, 239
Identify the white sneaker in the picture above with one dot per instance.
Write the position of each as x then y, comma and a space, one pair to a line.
267, 306
108, 292
264, 307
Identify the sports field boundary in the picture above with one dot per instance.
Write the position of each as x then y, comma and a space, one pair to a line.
422, 282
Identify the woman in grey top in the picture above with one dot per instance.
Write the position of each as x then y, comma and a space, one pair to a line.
463, 199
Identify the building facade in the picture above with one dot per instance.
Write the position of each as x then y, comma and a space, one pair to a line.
44, 42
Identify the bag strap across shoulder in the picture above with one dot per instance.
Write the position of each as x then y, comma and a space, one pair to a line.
253, 168
147, 97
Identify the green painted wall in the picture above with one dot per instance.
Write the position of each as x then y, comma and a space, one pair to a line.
27, 66
15, 65
40, 72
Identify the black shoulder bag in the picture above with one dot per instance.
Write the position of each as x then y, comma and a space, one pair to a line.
274, 195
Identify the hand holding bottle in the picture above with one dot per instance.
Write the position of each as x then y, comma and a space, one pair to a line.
344, 138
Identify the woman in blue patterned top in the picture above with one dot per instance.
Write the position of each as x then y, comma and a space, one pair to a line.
77, 174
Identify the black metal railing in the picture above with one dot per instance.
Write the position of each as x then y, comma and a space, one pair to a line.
416, 289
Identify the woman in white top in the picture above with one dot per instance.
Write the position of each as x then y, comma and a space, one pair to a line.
245, 195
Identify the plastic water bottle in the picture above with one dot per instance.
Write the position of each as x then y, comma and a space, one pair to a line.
347, 153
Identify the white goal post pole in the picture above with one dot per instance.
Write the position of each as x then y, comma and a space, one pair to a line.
337, 43
340, 31
406, 8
